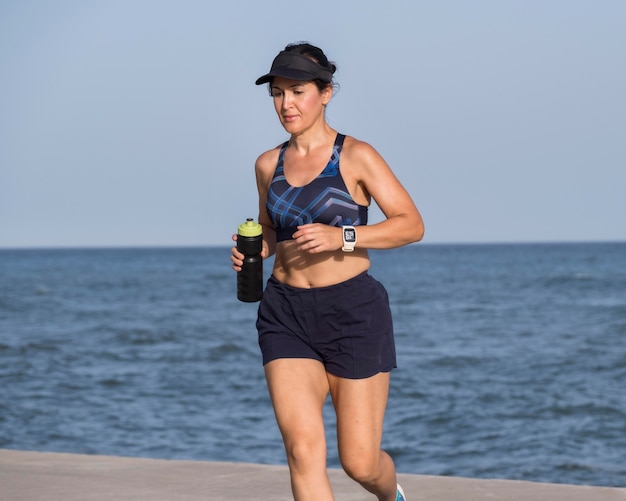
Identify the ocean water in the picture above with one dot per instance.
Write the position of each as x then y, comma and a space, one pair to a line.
512, 359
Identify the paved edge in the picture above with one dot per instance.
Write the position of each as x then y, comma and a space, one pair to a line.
35, 476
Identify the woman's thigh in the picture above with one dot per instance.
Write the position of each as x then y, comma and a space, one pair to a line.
298, 388
360, 406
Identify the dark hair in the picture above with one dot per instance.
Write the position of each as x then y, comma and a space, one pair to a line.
317, 55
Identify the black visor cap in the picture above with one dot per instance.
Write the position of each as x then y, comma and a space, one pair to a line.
295, 67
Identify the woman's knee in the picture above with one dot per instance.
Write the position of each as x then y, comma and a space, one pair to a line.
305, 452
363, 468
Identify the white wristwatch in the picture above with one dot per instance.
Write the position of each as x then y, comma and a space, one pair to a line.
349, 238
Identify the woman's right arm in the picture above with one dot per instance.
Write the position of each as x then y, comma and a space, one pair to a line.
264, 171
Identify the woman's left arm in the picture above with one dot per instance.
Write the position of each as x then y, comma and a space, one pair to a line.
403, 224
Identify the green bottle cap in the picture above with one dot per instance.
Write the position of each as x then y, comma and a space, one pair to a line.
250, 228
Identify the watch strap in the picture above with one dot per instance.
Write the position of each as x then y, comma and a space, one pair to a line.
349, 238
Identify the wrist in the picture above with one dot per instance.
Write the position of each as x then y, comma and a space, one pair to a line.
349, 238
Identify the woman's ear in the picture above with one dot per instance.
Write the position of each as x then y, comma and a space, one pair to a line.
327, 94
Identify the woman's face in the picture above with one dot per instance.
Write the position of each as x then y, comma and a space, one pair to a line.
299, 104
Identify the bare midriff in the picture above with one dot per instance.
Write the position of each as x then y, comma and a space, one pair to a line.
304, 270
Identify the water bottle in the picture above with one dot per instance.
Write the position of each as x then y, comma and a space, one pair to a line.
250, 278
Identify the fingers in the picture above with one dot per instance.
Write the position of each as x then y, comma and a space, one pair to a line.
236, 256
316, 238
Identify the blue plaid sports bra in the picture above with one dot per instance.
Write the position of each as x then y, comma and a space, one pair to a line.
324, 200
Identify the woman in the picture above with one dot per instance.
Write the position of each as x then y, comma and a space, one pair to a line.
324, 323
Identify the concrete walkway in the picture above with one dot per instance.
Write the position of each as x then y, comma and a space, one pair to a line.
37, 476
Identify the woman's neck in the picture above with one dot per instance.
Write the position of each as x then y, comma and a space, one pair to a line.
312, 138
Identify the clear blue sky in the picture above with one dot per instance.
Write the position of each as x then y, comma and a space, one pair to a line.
137, 122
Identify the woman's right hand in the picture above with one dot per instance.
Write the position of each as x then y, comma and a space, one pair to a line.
236, 257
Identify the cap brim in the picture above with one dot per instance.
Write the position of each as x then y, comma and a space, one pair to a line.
289, 73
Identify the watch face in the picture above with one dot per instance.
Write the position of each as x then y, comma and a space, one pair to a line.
349, 235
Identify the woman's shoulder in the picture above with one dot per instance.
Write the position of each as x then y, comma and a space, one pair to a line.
361, 152
267, 160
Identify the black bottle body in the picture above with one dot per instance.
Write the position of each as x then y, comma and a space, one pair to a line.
250, 278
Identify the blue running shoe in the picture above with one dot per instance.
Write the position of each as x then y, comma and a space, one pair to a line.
400, 496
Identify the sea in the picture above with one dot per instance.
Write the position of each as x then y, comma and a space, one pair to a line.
511, 359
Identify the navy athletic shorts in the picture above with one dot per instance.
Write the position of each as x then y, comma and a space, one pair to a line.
346, 326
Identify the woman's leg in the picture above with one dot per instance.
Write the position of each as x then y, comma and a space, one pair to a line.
298, 388
360, 406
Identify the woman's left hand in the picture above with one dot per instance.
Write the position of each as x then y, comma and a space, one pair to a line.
316, 237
